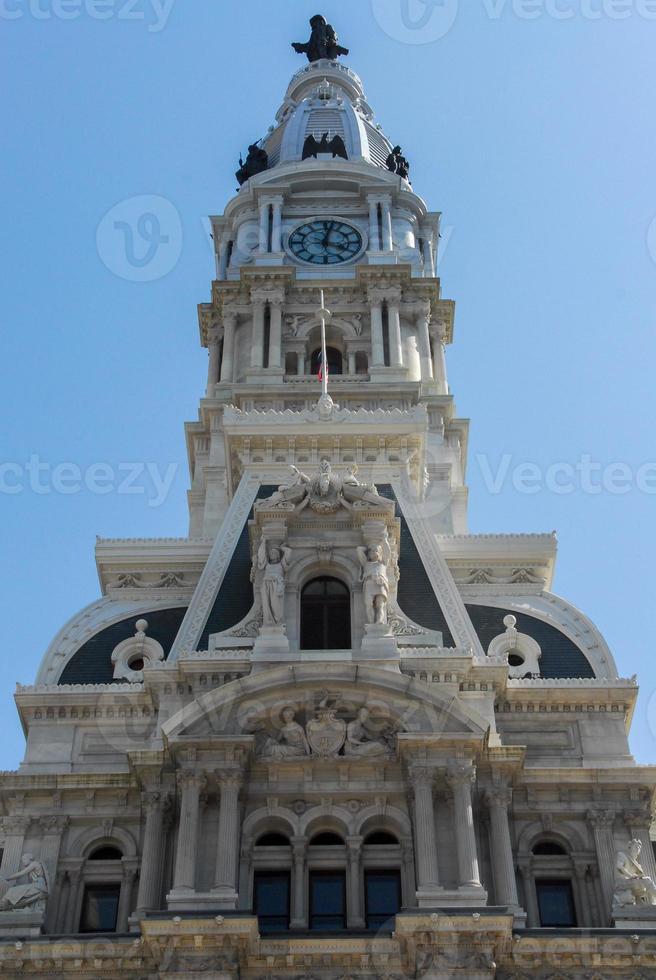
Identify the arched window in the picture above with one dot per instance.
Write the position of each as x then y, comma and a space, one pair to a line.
106, 853
335, 362
103, 881
273, 840
327, 839
553, 872
380, 838
325, 615
549, 848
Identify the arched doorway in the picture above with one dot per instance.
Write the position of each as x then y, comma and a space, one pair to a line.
335, 361
325, 615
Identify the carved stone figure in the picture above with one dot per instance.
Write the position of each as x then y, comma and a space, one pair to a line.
33, 894
291, 742
398, 164
257, 162
326, 733
323, 493
632, 885
274, 562
323, 42
359, 744
375, 578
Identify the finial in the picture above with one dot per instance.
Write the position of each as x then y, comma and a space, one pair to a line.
141, 627
510, 622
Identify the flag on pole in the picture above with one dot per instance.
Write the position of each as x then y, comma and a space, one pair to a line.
323, 368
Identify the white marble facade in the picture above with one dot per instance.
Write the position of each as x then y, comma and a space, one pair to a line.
470, 731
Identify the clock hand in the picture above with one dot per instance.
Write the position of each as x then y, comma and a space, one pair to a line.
331, 225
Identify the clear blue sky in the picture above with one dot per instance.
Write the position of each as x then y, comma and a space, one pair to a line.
535, 137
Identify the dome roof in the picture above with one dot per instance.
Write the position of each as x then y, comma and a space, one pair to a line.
326, 97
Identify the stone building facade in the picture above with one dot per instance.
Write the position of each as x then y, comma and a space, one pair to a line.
329, 734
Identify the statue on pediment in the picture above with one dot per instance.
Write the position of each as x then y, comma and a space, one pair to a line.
291, 741
274, 562
375, 562
324, 493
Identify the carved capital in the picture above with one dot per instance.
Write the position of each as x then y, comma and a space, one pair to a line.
600, 819
53, 826
461, 775
229, 779
188, 779
499, 796
14, 825
154, 800
421, 777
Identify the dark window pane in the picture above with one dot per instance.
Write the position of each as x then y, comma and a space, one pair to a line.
106, 854
327, 840
556, 904
381, 838
271, 900
327, 900
325, 615
549, 848
273, 840
100, 908
383, 896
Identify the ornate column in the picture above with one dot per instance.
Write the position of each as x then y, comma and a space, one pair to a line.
125, 901
503, 865
374, 234
351, 363
439, 360
275, 338
222, 264
423, 338
276, 236
214, 366
408, 877
386, 205
227, 853
395, 340
154, 805
228, 361
355, 914
257, 342
14, 829
299, 910
530, 896
264, 227
184, 875
52, 829
377, 348
301, 363
460, 779
428, 880
601, 821
427, 253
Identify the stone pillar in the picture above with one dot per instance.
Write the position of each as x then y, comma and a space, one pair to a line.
150, 880
275, 338
276, 237
184, 875
125, 901
264, 227
428, 255
228, 361
222, 265
601, 822
581, 892
423, 339
301, 362
428, 880
355, 913
530, 895
52, 829
377, 348
214, 365
386, 204
227, 853
299, 909
461, 778
72, 918
395, 341
257, 343
439, 362
351, 363
374, 235
60, 903
503, 865
408, 877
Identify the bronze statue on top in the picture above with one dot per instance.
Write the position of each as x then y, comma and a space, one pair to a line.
397, 163
257, 162
323, 43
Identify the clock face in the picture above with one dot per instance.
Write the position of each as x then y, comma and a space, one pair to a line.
325, 242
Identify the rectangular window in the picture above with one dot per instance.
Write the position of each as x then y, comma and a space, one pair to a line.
100, 908
383, 898
556, 904
271, 900
327, 900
